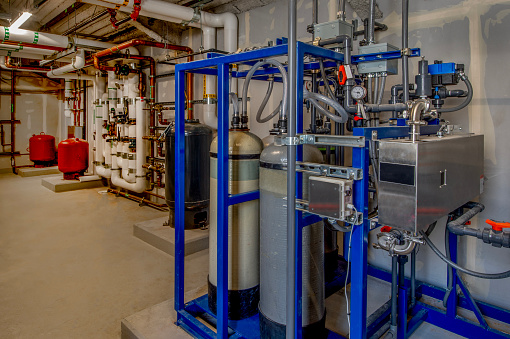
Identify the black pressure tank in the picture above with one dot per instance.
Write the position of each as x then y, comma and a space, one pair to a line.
198, 139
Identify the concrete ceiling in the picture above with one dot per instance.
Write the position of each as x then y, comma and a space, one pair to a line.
58, 16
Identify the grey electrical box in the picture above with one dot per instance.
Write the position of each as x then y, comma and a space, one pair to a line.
333, 29
388, 66
329, 197
423, 181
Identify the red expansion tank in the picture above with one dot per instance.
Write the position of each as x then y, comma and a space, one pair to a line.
73, 157
42, 149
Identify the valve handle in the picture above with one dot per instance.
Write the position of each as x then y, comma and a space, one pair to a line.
356, 118
497, 225
342, 76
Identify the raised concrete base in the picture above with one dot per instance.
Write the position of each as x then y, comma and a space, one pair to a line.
163, 237
158, 321
32, 171
58, 184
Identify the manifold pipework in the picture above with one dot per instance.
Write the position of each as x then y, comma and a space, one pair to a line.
397, 242
417, 108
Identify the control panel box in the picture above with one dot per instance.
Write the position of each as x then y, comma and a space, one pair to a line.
333, 29
388, 66
330, 197
423, 181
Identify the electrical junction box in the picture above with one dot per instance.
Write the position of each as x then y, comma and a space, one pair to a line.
388, 66
333, 29
329, 197
423, 181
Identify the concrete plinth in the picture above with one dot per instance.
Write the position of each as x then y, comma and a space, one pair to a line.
32, 171
163, 237
158, 321
58, 184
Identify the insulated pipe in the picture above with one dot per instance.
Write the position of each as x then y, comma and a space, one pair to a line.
77, 63
67, 96
291, 175
140, 183
209, 95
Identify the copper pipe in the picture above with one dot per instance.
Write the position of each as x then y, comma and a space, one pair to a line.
13, 119
25, 68
138, 199
155, 195
27, 44
138, 42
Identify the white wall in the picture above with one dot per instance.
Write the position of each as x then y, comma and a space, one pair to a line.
37, 112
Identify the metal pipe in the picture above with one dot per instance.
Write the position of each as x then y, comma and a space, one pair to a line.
394, 290
313, 117
341, 9
413, 277
85, 22
13, 120
138, 199
8, 64
405, 46
291, 174
315, 12
371, 23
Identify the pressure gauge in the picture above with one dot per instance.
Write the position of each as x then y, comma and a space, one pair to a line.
358, 92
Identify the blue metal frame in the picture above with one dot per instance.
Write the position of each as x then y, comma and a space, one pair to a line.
188, 314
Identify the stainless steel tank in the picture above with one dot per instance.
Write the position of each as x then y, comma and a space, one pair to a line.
198, 139
243, 226
273, 250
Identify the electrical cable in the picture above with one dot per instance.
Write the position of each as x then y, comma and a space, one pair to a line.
347, 274
325, 80
466, 101
501, 275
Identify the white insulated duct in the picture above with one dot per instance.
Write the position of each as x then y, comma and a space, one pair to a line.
77, 63
208, 22
140, 183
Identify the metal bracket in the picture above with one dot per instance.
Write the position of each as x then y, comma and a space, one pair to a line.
316, 41
321, 139
302, 205
195, 18
406, 51
341, 172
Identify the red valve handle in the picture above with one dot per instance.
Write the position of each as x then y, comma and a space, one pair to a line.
342, 76
386, 228
498, 225
356, 118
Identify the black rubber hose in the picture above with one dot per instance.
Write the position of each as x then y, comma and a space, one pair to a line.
466, 101
325, 80
501, 275
264, 103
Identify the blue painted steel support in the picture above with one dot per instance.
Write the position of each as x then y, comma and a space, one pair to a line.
235, 199
222, 202
415, 52
359, 246
180, 81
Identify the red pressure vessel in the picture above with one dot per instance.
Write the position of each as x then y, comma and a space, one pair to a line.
42, 149
73, 158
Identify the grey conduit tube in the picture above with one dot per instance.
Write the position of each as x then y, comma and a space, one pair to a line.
291, 175
394, 291
341, 8
501, 275
314, 97
381, 90
466, 101
264, 103
376, 89
252, 71
405, 45
369, 91
413, 277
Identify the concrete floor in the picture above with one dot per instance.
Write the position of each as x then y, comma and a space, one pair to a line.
70, 266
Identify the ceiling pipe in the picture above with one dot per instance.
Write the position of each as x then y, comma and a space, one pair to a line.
6, 64
77, 63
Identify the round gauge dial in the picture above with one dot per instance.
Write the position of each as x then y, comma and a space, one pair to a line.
358, 92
